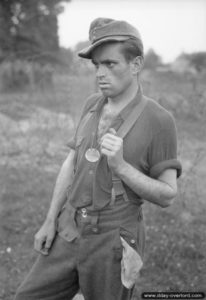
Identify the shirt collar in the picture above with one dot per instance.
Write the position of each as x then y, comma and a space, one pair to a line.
99, 104
126, 110
131, 105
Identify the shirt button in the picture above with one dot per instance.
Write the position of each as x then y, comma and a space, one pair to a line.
132, 242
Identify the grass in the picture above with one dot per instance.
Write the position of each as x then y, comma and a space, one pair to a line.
176, 237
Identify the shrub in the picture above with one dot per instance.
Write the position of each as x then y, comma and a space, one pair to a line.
19, 74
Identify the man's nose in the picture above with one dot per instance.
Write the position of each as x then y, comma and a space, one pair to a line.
101, 71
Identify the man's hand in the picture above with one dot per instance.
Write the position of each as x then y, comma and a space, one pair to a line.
112, 146
45, 236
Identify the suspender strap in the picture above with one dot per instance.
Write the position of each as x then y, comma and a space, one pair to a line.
118, 188
132, 118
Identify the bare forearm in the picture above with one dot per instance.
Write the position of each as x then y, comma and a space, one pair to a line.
152, 190
63, 181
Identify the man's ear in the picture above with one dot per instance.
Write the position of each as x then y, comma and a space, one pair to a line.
137, 64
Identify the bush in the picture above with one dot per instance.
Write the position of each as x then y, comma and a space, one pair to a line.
19, 74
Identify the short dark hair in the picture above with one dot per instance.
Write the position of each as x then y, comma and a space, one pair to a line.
132, 48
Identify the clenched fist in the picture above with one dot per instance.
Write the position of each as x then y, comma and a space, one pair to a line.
112, 146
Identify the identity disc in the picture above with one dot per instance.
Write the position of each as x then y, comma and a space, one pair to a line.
92, 155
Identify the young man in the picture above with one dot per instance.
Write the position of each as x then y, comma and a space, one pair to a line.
93, 236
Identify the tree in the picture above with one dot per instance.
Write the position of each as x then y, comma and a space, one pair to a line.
152, 60
29, 28
192, 62
198, 61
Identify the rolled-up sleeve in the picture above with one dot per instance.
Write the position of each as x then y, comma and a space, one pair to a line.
163, 150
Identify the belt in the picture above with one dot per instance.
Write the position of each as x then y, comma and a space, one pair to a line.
93, 215
85, 212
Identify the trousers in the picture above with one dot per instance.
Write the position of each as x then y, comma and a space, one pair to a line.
91, 262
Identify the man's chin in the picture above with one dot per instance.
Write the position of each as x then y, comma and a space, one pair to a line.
107, 92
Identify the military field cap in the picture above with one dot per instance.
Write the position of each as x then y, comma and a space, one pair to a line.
104, 30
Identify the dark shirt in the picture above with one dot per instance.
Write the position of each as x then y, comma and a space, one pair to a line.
150, 147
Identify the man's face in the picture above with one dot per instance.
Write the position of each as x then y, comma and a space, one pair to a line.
114, 74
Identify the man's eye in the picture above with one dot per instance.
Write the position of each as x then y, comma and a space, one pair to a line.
110, 64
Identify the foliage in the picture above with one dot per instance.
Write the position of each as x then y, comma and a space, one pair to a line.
196, 60
66, 57
29, 46
152, 60
24, 75
29, 28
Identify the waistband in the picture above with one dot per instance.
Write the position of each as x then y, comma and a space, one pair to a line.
125, 216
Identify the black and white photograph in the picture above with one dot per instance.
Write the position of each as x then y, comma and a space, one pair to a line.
102, 149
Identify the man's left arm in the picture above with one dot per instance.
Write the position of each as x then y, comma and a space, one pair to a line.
160, 191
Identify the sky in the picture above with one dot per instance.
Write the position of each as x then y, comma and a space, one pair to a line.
169, 27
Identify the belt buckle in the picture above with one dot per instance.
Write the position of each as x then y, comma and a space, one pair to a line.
84, 212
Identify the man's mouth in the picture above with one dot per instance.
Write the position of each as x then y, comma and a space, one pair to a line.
103, 84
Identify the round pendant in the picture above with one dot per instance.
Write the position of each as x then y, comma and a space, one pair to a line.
92, 155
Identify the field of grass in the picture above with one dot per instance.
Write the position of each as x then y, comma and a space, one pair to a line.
34, 129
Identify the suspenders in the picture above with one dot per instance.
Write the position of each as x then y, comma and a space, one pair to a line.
118, 188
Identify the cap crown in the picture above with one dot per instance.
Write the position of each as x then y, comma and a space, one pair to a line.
101, 28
